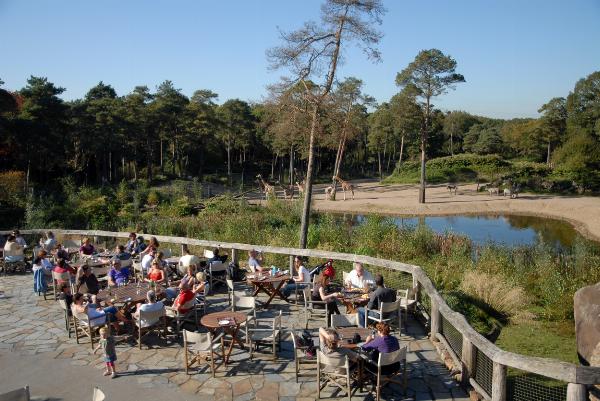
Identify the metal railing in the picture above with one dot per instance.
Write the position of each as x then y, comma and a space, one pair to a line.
482, 363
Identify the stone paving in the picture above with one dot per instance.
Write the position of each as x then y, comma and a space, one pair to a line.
31, 326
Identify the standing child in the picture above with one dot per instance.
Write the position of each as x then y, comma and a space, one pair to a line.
107, 343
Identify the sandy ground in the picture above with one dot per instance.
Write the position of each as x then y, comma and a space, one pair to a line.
583, 212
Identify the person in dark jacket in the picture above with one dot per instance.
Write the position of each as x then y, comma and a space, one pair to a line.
381, 294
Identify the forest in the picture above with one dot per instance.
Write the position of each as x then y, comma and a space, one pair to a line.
105, 138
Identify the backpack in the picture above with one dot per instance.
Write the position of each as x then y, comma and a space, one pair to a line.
305, 340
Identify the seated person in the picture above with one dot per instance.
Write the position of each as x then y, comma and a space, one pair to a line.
300, 281
118, 275
95, 313
140, 246
150, 306
121, 253
186, 260
19, 238
65, 295
63, 267
147, 261
200, 286
185, 296
217, 257
359, 277
86, 282
156, 273
131, 244
48, 243
255, 260
86, 249
381, 294
319, 293
329, 340
189, 279
382, 342
152, 246
61, 253
13, 251
41, 262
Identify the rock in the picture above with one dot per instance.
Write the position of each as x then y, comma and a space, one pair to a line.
587, 323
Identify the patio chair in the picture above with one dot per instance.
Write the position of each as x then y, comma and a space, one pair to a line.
98, 395
246, 305
201, 347
67, 312
344, 320
344, 277
138, 271
265, 331
406, 303
62, 277
82, 324
208, 253
333, 370
180, 318
21, 394
217, 272
150, 322
300, 357
387, 312
237, 289
380, 379
310, 310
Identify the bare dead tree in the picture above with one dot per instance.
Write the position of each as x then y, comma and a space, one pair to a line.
313, 53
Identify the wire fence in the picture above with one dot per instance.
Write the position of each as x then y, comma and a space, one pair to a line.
525, 386
453, 336
484, 367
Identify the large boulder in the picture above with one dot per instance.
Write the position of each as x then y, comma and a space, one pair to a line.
587, 324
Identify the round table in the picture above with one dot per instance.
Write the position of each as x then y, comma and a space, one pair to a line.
352, 300
270, 285
347, 334
212, 322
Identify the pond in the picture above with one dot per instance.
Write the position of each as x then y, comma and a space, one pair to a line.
504, 229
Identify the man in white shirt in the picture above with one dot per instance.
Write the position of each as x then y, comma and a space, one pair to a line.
300, 281
186, 260
359, 277
150, 306
147, 261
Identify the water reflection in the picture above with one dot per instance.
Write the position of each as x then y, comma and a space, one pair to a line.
510, 230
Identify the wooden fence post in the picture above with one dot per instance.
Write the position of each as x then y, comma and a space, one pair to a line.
292, 272
499, 382
576, 392
468, 359
416, 287
436, 320
234, 256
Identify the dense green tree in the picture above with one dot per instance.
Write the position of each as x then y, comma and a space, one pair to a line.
554, 123
431, 74
456, 125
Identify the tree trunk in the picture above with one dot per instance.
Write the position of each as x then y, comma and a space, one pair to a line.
401, 150
451, 145
291, 166
309, 179
549, 153
229, 162
379, 160
161, 157
273, 163
423, 155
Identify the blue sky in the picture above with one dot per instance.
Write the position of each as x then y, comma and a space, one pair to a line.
515, 55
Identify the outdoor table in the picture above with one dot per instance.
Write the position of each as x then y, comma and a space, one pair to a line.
212, 322
270, 285
105, 254
127, 294
354, 299
347, 334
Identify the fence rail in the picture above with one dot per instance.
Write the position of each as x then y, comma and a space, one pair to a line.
482, 362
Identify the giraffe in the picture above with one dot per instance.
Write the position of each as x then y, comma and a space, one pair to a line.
346, 186
288, 191
301, 186
267, 188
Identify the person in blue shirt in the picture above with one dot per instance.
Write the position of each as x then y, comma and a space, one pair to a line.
118, 275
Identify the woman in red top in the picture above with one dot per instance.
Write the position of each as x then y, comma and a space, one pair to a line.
156, 274
185, 296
